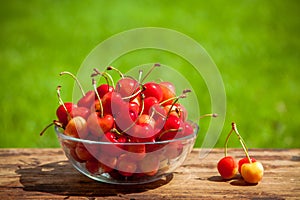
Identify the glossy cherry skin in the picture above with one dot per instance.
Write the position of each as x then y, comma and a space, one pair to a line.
227, 167
243, 161
112, 148
127, 86
142, 133
252, 172
177, 110
83, 112
188, 129
98, 126
168, 85
146, 119
92, 165
103, 89
125, 165
168, 90
172, 122
133, 108
107, 162
112, 103
82, 153
77, 127
87, 100
61, 113
148, 103
152, 89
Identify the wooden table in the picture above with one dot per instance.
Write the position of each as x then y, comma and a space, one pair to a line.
46, 174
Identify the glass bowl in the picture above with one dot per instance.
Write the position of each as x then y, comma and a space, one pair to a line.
126, 163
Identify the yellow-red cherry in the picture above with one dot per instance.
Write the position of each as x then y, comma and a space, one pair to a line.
243, 161
252, 172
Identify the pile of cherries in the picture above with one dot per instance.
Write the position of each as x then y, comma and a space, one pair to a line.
131, 112
250, 170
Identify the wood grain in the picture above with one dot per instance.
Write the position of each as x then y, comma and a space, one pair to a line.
46, 174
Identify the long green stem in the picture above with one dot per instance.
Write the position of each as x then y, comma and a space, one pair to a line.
61, 101
99, 99
209, 115
183, 95
149, 72
226, 142
140, 114
241, 141
140, 76
113, 68
76, 79
107, 77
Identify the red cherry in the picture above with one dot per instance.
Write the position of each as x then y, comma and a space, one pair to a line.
167, 135
243, 161
188, 129
152, 89
135, 151
125, 165
148, 103
127, 86
112, 103
125, 120
133, 107
80, 111
111, 149
168, 90
168, 85
107, 162
62, 114
173, 149
82, 153
92, 165
142, 133
103, 89
87, 100
157, 111
227, 167
98, 126
146, 119
177, 110
172, 122
77, 127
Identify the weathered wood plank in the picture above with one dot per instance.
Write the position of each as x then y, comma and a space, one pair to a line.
46, 174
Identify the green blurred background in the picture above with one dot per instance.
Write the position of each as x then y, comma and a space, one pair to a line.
255, 45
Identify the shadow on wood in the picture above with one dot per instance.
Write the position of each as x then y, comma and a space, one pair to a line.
62, 179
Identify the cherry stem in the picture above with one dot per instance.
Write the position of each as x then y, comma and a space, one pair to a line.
183, 95
99, 99
134, 94
209, 115
114, 130
107, 77
241, 141
113, 68
55, 122
155, 111
151, 69
140, 76
76, 79
226, 142
140, 114
170, 130
61, 101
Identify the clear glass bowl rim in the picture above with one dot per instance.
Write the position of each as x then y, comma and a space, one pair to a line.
70, 138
